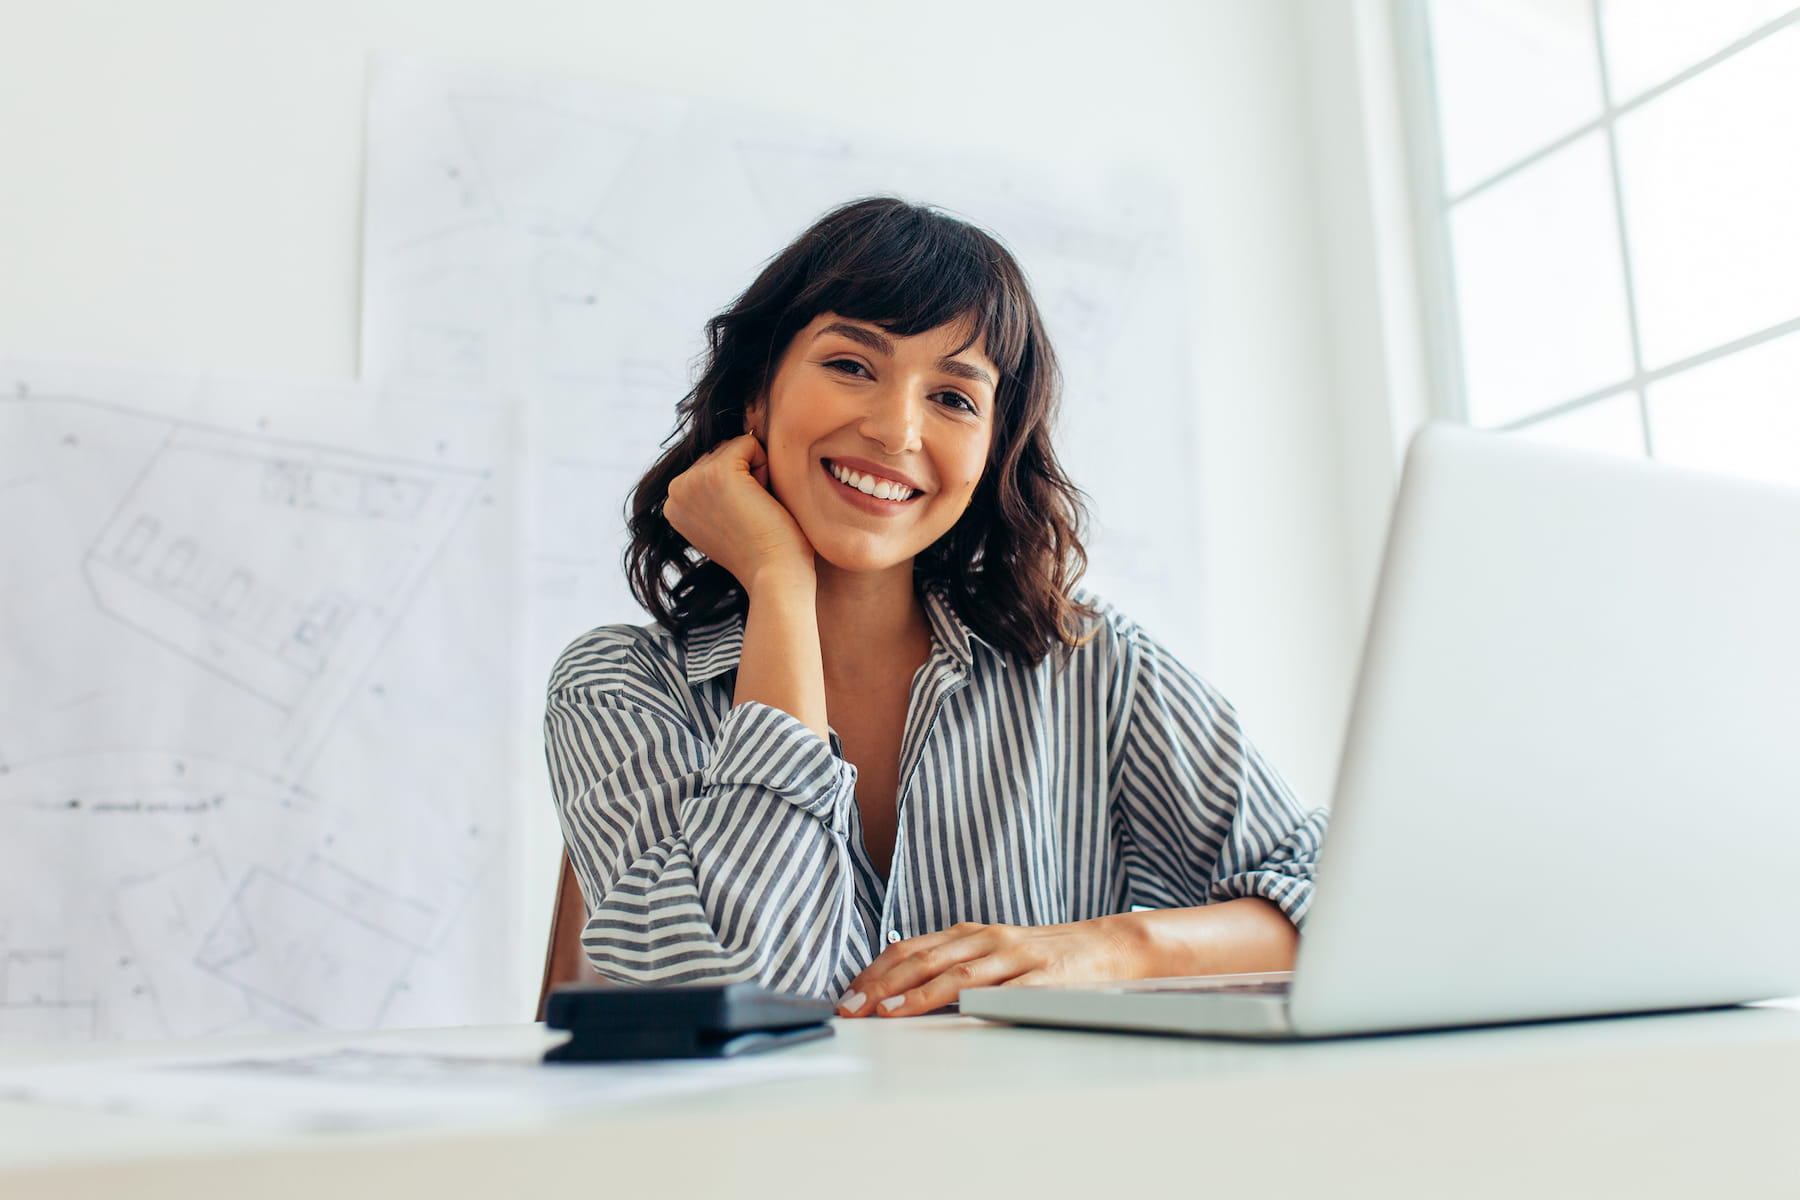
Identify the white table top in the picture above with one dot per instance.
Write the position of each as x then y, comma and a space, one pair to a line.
1679, 1105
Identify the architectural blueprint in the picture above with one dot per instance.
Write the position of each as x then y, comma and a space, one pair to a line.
561, 245
242, 623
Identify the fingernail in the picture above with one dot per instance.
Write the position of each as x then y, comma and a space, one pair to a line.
893, 1002
851, 1001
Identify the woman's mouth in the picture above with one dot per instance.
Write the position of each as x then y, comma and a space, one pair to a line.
871, 493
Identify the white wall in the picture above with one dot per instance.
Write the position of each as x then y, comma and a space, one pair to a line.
180, 184
1378, 393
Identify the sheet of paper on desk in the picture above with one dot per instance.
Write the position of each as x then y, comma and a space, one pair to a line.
355, 1085
240, 623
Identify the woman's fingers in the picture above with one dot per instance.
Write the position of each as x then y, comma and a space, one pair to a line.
926, 972
922, 974
756, 457
758, 454
729, 458
728, 453
926, 963
723, 506
928, 995
1037, 978
897, 951
875, 982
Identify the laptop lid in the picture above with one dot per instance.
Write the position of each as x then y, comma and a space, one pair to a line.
1571, 781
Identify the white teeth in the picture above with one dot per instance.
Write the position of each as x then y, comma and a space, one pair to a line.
881, 489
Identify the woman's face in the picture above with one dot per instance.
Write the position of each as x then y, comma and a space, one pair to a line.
854, 409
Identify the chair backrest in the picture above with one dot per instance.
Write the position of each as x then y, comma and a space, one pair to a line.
565, 961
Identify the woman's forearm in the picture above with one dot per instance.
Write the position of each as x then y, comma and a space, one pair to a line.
1228, 938
781, 664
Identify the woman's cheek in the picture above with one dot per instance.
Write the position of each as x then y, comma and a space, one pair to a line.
785, 468
966, 491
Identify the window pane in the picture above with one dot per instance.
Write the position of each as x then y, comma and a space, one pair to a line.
1539, 286
1612, 425
1711, 177
1511, 77
1648, 43
1739, 414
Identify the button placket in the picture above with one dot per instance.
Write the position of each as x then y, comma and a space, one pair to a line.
941, 679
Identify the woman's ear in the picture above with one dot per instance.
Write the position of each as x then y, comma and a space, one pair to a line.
756, 415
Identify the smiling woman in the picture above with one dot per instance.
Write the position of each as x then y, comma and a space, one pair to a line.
897, 429
877, 743
866, 278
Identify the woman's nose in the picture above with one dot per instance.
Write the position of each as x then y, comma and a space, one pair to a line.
893, 420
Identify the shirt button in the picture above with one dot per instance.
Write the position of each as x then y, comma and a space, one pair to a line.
893, 936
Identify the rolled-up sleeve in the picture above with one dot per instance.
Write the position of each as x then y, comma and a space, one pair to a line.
1203, 816
721, 857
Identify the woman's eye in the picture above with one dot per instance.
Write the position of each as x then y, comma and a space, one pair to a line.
849, 366
957, 400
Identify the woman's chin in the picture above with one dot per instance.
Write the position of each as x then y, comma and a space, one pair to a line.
860, 556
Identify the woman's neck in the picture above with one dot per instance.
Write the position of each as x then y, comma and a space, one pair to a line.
869, 622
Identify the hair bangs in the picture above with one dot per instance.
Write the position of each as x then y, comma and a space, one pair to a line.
910, 273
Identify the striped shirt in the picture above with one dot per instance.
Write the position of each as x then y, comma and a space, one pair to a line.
723, 843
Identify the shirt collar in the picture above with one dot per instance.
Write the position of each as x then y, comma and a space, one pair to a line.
714, 648
948, 630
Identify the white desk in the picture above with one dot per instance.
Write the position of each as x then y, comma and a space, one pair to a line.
1701, 1104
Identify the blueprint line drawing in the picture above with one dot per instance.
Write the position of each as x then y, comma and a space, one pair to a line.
267, 613
34, 999
414, 923
299, 952
243, 621
165, 917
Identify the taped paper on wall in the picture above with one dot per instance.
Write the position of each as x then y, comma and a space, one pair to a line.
242, 623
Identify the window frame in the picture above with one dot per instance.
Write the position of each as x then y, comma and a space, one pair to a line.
1433, 204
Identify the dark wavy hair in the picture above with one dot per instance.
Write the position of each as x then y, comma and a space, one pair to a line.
1009, 564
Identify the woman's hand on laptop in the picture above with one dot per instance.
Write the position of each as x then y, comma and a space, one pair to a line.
925, 973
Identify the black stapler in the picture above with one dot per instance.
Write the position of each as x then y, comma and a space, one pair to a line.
611, 1022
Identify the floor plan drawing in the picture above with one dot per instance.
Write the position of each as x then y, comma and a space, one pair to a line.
34, 1000
286, 615
166, 917
242, 621
295, 950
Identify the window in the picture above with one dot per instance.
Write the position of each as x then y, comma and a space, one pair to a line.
1611, 202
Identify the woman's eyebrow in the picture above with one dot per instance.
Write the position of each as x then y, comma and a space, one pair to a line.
963, 370
877, 342
859, 333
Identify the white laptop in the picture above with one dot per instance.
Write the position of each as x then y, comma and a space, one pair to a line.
1571, 781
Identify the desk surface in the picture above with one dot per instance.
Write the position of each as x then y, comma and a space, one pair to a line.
1679, 1105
